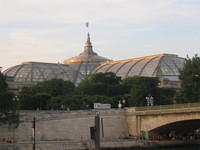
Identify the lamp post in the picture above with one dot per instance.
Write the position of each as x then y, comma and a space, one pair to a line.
62, 107
15, 98
16, 101
150, 100
16, 105
123, 103
119, 104
33, 129
97, 132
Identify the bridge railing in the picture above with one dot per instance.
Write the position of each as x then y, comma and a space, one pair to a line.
172, 106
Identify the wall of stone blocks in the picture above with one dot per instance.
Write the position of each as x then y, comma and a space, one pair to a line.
67, 125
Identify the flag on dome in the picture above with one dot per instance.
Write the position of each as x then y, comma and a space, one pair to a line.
87, 24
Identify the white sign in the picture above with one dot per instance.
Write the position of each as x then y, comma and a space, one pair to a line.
102, 106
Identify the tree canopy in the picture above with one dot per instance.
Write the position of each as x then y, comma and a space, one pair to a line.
39, 96
7, 104
140, 88
53, 87
107, 84
190, 80
95, 88
3, 84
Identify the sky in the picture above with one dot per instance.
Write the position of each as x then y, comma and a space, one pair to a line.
54, 30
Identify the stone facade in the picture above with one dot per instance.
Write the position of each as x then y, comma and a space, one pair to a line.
64, 126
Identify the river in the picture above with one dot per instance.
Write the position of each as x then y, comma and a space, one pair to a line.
190, 147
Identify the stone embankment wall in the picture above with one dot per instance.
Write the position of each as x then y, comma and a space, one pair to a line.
45, 146
67, 125
111, 145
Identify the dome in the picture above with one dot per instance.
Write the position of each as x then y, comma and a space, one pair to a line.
164, 66
86, 61
28, 73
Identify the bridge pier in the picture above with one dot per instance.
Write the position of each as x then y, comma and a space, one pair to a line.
138, 124
134, 122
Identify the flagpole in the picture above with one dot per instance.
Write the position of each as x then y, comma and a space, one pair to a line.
87, 26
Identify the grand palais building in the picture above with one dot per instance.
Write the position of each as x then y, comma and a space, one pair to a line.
164, 66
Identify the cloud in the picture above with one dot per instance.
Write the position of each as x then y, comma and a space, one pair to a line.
49, 30
100, 11
35, 45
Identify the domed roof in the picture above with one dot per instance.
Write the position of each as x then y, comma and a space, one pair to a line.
30, 72
88, 55
161, 65
86, 61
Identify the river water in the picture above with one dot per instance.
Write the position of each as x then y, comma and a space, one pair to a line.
190, 147
194, 147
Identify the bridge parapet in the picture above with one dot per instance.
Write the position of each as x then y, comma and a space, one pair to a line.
173, 106
164, 109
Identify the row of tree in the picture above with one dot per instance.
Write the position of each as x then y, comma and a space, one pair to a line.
95, 88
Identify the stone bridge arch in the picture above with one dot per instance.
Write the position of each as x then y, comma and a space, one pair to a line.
147, 119
149, 123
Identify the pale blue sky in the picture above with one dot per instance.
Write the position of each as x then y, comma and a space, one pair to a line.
51, 31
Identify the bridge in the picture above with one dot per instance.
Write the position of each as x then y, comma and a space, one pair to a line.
163, 119
115, 123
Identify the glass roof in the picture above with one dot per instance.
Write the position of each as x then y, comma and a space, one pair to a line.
73, 69
161, 65
36, 72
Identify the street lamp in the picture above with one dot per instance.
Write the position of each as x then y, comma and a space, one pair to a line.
16, 100
123, 103
119, 104
150, 100
62, 107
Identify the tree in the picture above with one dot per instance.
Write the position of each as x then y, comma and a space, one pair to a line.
39, 96
3, 84
141, 87
107, 84
53, 87
8, 112
35, 101
190, 80
164, 96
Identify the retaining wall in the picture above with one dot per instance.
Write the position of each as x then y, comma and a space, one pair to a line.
66, 125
